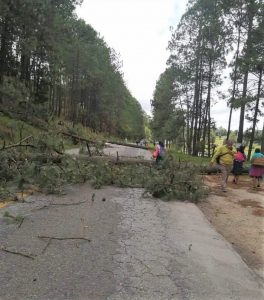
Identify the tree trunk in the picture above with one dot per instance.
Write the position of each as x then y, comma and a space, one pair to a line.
3, 52
245, 83
196, 94
234, 82
262, 139
196, 106
204, 129
255, 115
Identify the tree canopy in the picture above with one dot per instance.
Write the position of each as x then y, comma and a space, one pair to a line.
200, 49
52, 61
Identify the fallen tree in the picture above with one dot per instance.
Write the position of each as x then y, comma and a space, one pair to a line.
49, 169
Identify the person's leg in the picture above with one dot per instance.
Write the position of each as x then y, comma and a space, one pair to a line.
158, 159
224, 175
235, 180
254, 182
228, 171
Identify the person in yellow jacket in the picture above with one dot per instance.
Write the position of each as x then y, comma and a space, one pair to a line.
224, 157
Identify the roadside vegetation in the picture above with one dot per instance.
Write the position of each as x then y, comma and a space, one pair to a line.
62, 87
35, 159
215, 43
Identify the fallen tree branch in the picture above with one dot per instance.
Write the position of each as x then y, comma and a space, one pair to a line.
124, 161
82, 139
128, 145
63, 238
121, 160
19, 144
17, 253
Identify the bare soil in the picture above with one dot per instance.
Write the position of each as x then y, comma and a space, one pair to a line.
239, 216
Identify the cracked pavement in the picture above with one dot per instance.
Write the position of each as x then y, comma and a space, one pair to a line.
139, 248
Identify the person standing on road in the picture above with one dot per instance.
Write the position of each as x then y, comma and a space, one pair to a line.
239, 159
256, 171
159, 152
224, 157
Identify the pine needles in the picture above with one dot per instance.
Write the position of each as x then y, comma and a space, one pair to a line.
46, 167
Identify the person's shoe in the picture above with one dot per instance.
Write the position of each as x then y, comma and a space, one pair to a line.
224, 190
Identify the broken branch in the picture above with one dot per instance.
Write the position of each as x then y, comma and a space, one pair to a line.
17, 253
19, 144
63, 238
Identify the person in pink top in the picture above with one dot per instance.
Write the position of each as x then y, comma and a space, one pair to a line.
239, 159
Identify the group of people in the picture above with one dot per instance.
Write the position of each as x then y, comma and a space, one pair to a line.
228, 161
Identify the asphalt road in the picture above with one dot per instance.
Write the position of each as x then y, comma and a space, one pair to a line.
114, 244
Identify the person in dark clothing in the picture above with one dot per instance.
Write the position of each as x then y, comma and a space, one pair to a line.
239, 159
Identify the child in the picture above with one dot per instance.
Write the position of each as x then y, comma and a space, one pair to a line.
256, 172
239, 158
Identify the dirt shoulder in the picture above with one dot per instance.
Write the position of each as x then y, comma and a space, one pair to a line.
239, 216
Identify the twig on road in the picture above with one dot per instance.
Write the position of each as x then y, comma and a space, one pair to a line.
63, 238
17, 253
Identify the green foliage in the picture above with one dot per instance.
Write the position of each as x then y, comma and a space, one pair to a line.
13, 90
12, 129
13, 219
131, 124
54, 64
168, 121
49, 172
186, 159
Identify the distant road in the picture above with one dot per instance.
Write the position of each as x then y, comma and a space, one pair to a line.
123, 151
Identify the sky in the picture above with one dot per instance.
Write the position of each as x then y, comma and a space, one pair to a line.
139, 30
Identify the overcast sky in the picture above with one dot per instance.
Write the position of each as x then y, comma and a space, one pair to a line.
140, 30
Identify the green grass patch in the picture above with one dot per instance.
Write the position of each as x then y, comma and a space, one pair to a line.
189, 159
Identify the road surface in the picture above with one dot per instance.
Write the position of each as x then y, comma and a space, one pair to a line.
115, 244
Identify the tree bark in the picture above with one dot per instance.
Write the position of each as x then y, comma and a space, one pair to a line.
255, 115
234, 83
245, 82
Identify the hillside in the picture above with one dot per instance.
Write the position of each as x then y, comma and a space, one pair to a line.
54, 65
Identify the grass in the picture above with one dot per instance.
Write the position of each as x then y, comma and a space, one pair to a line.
181, 157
